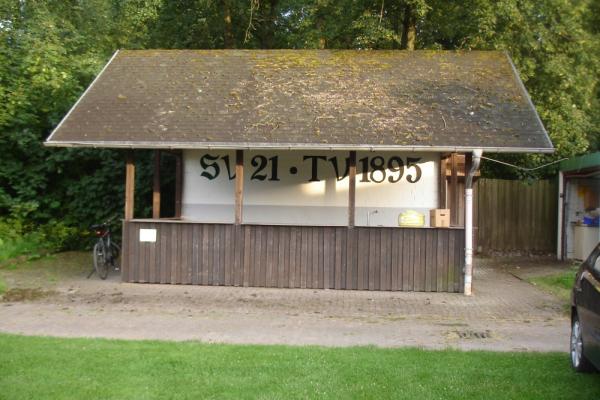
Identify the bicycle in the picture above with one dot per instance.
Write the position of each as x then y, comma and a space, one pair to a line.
106, 252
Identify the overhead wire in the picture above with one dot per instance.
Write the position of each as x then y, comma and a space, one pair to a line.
523, 168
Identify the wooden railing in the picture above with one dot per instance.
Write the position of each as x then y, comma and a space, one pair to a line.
363, 258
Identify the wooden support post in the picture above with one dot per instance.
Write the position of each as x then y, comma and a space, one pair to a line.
156, 186
352, 189
178, 183
454, 200
239, 185
443, 183
129, 185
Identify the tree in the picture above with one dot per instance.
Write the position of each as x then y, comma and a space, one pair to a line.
50, 50
555, 49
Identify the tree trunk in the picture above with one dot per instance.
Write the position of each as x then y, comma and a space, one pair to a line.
268, 40
228, 40
409, 30
396, 16
322, 39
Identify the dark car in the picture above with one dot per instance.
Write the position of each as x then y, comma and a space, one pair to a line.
585, 315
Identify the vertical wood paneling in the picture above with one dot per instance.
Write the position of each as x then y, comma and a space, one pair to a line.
385, 277
338, 260
228, 257
293, 256
430, 259
164, 270
304, 257
124, 260
450, 263
298, 272
239, 255
283, 255
365, 258
407, 270
257, 262
313, 281
459, 264
395, 264
247, 250
212, 254
320, 283
516, 216
186, 242
328, 248
270, 257
362, 258
204, 266
442, 261
351, 259
373, 261
172, 248
223, 247
132, 251
143, 260
263, 257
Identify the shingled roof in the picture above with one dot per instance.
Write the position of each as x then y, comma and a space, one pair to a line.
334, 99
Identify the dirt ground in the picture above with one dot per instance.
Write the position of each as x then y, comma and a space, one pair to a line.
53, 297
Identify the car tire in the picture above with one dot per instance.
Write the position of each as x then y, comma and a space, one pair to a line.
578, 360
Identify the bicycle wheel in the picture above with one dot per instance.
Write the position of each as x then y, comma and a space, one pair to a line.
115, 252
100, 264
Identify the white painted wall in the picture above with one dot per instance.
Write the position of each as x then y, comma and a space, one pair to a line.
295, 199
574, 212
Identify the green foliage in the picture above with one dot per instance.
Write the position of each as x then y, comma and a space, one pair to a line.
113, 369
26, 247
556, 52
19, 237
50, 50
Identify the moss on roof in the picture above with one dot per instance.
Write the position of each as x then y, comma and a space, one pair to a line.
306, 97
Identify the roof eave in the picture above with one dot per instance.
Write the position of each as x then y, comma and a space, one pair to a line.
528, 98
292, 146
96, 79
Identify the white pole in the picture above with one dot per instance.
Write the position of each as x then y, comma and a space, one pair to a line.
468, 240
469, 221
561, 199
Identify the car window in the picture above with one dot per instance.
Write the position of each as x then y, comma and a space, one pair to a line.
594, 261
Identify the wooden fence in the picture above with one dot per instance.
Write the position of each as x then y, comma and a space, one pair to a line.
363, 258
516, 216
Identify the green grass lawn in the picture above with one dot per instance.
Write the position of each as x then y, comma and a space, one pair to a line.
27, 246
559, 284
50, 368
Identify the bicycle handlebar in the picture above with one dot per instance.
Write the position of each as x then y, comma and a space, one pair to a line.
105, 224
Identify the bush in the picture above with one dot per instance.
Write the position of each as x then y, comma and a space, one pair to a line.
18, 237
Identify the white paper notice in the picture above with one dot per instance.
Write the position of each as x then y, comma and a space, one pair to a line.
147, 235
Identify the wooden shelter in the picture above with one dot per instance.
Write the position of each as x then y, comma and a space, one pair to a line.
295, 168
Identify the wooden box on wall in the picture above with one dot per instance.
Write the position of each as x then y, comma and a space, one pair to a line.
439, 218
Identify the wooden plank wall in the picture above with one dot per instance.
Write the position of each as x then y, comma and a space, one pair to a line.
513, 216
375, 258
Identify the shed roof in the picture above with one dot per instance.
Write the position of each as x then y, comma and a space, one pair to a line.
338, 99
585, 161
